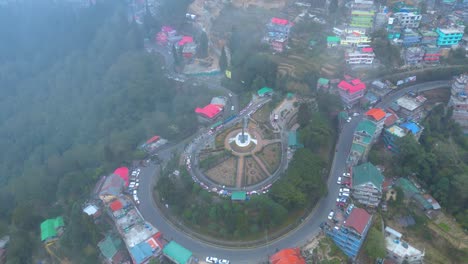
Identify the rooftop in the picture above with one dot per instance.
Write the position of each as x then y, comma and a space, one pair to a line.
141, 252
209, 111
367, 173
399, 247
263, 91
333, 39
358, 148
177, 253
323, 81
396, 131
287, 256
50, 226
123, 173
355, 86
109, 246
153, 139
376, 113
358, 219
366, 126
412, 127
409, 103
450, 30
239, 196
91, 209
112, 185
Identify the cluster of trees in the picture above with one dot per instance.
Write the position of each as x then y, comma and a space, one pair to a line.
439, 161
78, 95
388, 54
301, 187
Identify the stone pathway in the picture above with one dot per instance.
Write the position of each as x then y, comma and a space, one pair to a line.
240, 171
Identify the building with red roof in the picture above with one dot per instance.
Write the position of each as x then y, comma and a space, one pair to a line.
152, 140
351, 92
349, 232
123, 173
116, 205
210, 111
288, 256
185, 40
377, 116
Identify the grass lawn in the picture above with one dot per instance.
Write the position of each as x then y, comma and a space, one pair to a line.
444, 227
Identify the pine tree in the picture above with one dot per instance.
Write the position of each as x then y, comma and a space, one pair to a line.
223, 60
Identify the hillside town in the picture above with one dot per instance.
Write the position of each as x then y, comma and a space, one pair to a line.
375, 115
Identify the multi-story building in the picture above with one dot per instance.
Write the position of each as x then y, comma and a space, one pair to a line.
399, 251
351, 92
394, 132
278, 33
411, 107
360, 56
362, 18
448, 36
410, 37
350, 231
428, 37
459, 101
408, 19
354, 38
367, 184
377, 116
431, 54
364, 136
414, 55
379, 88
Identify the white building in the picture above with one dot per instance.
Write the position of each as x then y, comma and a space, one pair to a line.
360, 56
398, 250
408, 20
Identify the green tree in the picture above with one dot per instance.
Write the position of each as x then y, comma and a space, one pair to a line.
203, 45
223, 62
375, 244
304, 115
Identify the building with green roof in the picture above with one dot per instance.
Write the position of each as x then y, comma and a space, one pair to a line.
239, 196
412, 192
109, 246
293, 141
367, 184
333, 41
51, 229
177, 253
364, 135
264, 91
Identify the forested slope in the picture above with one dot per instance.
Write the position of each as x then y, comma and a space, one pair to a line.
78, 95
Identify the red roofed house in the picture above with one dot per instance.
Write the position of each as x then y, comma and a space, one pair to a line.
185, 40
210, 111
351, 92
288, 256
152, 140
116, 205
123, 173
377, 116
351, 233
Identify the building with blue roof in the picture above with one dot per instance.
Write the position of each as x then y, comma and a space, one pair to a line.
141, 252
394, 132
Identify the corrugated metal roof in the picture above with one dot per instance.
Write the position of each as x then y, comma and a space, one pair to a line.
177, 253
365, 173
239, 196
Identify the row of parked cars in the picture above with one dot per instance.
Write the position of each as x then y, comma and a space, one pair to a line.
343, 196
134, 184
216, 260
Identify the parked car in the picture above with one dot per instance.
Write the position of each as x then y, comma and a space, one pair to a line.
345, 194
223, 261
339, 180
211, 260
346, 174
330, 215
344, 190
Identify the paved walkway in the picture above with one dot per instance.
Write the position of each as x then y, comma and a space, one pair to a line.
240, 171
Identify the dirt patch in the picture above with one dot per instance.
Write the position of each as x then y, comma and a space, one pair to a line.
252, 172
271, 156
224, 173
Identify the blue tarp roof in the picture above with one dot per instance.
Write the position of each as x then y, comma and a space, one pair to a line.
141, 252
411, 126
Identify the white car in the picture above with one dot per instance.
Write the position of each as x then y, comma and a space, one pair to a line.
211, 260
339, 180
230, 94
355, 114
344, 194
223, 261
330, 215
134, 192
346, 174
344, 190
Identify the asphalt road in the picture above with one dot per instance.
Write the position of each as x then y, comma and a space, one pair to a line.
308, 228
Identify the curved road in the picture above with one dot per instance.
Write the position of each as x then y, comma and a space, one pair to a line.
297, 237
